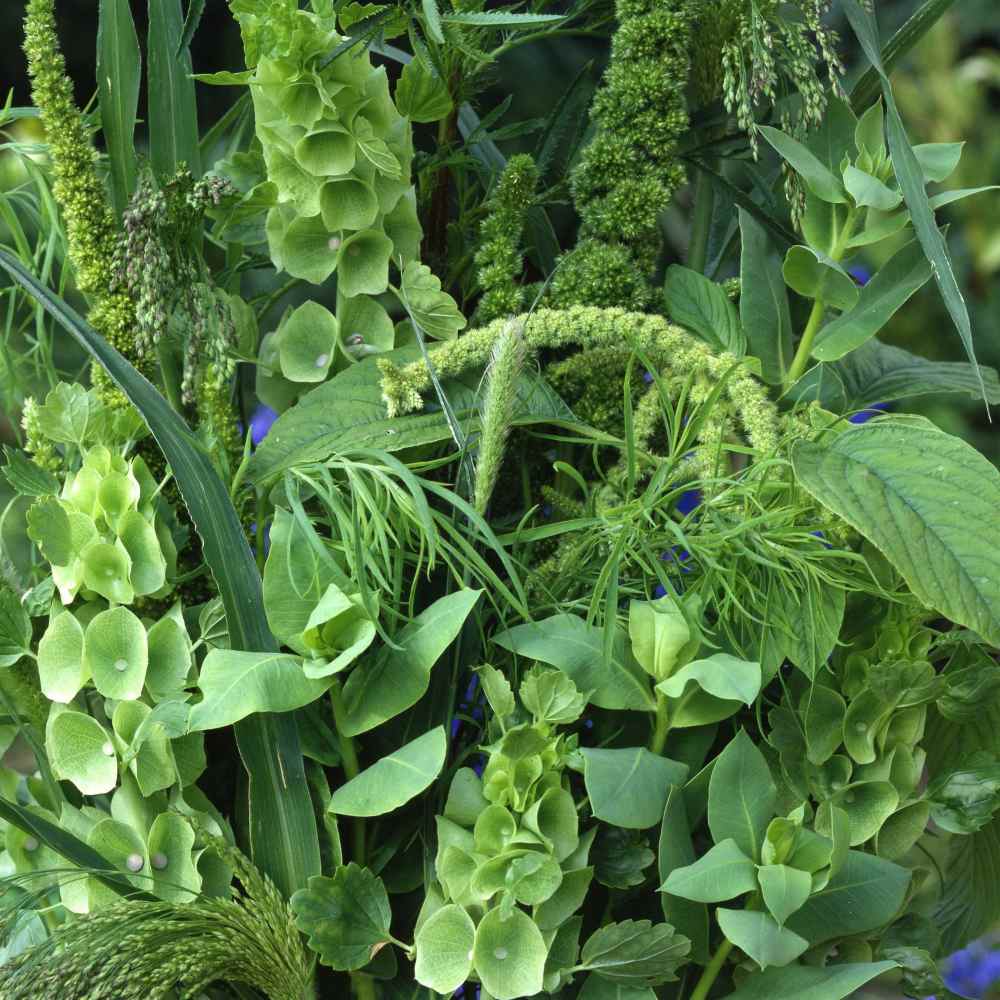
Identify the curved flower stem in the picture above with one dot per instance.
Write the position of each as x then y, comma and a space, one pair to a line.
712, 971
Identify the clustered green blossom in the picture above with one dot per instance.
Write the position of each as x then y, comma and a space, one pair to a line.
499, 257
630, 171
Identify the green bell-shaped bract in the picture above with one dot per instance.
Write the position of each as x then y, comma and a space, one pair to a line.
402, 226
307, 341
302, 245
348, 203
363, 263
365, 327
328, 151
273, 389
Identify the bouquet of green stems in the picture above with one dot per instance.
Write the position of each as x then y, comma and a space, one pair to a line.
402, 593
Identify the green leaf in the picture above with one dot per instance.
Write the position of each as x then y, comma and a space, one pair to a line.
784, 889
597, 988
432, 309
868, 805
236, 684
913, 491
741, 796
283, 836
764, 312
15, 631
346, 918
818, 178
551, 697
566, 900
444, 949
628, 787
509, 955
809, 982
892, 287
421, 94
721, 675
964, 800
692, 300
676, 851
660, 635
119, 69
432, 18
866, 893
760, 937
49, 527
569, 643
173, 113
815, 276
722, 873
635, 952
497, 689
870, 192
502, 20
363, 263
115, 654
970, 896
911, 182
938, 160
398, 678
823, 711
25, 477
195, 10
81, 751
959, 194
393, 780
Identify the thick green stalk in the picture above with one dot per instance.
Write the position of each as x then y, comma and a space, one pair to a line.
712, 971
661, 728
704, 202
349, 761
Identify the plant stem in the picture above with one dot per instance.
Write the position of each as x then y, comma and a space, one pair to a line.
363, 986
701, 226
659, 738
712, 971
801, 358
349, 761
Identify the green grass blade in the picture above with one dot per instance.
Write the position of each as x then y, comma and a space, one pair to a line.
283, 837
194, 12
911, 183
173, 113
867, 88
119, 70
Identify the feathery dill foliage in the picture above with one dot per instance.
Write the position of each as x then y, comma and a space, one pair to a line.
133, 949
500, 258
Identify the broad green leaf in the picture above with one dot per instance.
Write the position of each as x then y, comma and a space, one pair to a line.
235, 684
938, 160
119, 69
913, 491
27, 478
891, 288
741, 796
810, 982
959, 194
784, 889
115, 653
868, 805
911, 181
431, 308
393, 780
722, 873
902, 830
421, 94
50, 528
866, 893
81, 751
283, 836
970, 896
694, 301
660, 635
720, 674
551, 697
173, 112
509, 955
465, 798
635, 952
823, 711
870, 132
815, 276
444, 949
628, 787
676, 851
818, 178
870, 192
15, 632
758, 935
175, 875
764, 312
398, 678
569, 643
346, 918
497, 690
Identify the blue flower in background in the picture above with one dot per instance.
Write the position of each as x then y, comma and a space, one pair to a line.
863, 416
690, 499
860, 274
973, 971
260, 423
